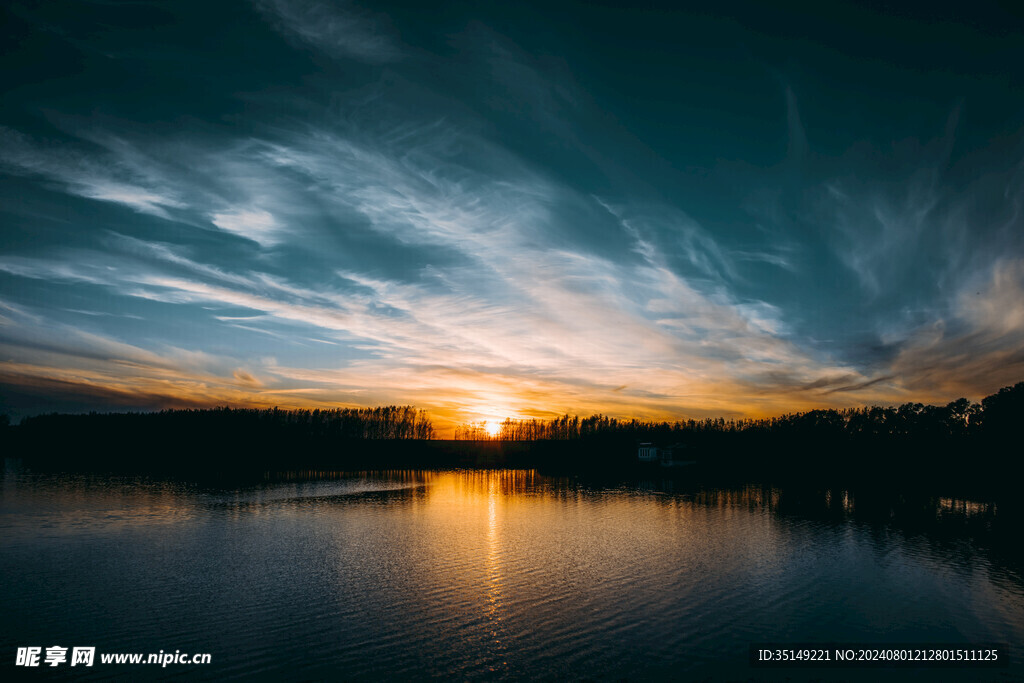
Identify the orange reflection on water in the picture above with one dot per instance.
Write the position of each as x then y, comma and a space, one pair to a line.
493, 613
964, 507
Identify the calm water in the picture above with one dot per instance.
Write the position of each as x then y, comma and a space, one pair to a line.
494, 574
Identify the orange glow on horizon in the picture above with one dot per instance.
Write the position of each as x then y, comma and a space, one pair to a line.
451, 397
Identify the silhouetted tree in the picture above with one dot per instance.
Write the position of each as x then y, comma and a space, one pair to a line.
1002, 413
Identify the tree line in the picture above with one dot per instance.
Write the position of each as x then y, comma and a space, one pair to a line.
996, 416
872, 431
379, 423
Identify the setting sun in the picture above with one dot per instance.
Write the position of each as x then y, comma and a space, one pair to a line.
492, 427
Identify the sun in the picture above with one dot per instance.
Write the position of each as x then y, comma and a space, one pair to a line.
492, 427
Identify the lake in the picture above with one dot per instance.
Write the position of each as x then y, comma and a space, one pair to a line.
473, 574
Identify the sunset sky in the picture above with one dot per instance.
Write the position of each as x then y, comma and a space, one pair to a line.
515, 209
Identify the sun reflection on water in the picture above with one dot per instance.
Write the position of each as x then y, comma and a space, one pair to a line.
494, 612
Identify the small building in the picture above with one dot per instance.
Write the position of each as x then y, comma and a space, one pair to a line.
648, 453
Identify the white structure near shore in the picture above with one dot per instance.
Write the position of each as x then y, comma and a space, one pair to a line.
647, 453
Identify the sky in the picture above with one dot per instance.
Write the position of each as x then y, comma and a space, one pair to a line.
494, 210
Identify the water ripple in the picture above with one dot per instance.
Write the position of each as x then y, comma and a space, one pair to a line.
488, 575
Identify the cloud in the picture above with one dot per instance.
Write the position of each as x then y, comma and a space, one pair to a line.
523, 315
780, 260
876, 231
934, 248
980, 348
523, 311
337, 29
380, 253
257, 225
82, 175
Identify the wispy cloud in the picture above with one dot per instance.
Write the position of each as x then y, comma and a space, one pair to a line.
520, 311
256, 225
980, 346
338, 29
81, 174
934, 247
366, 251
